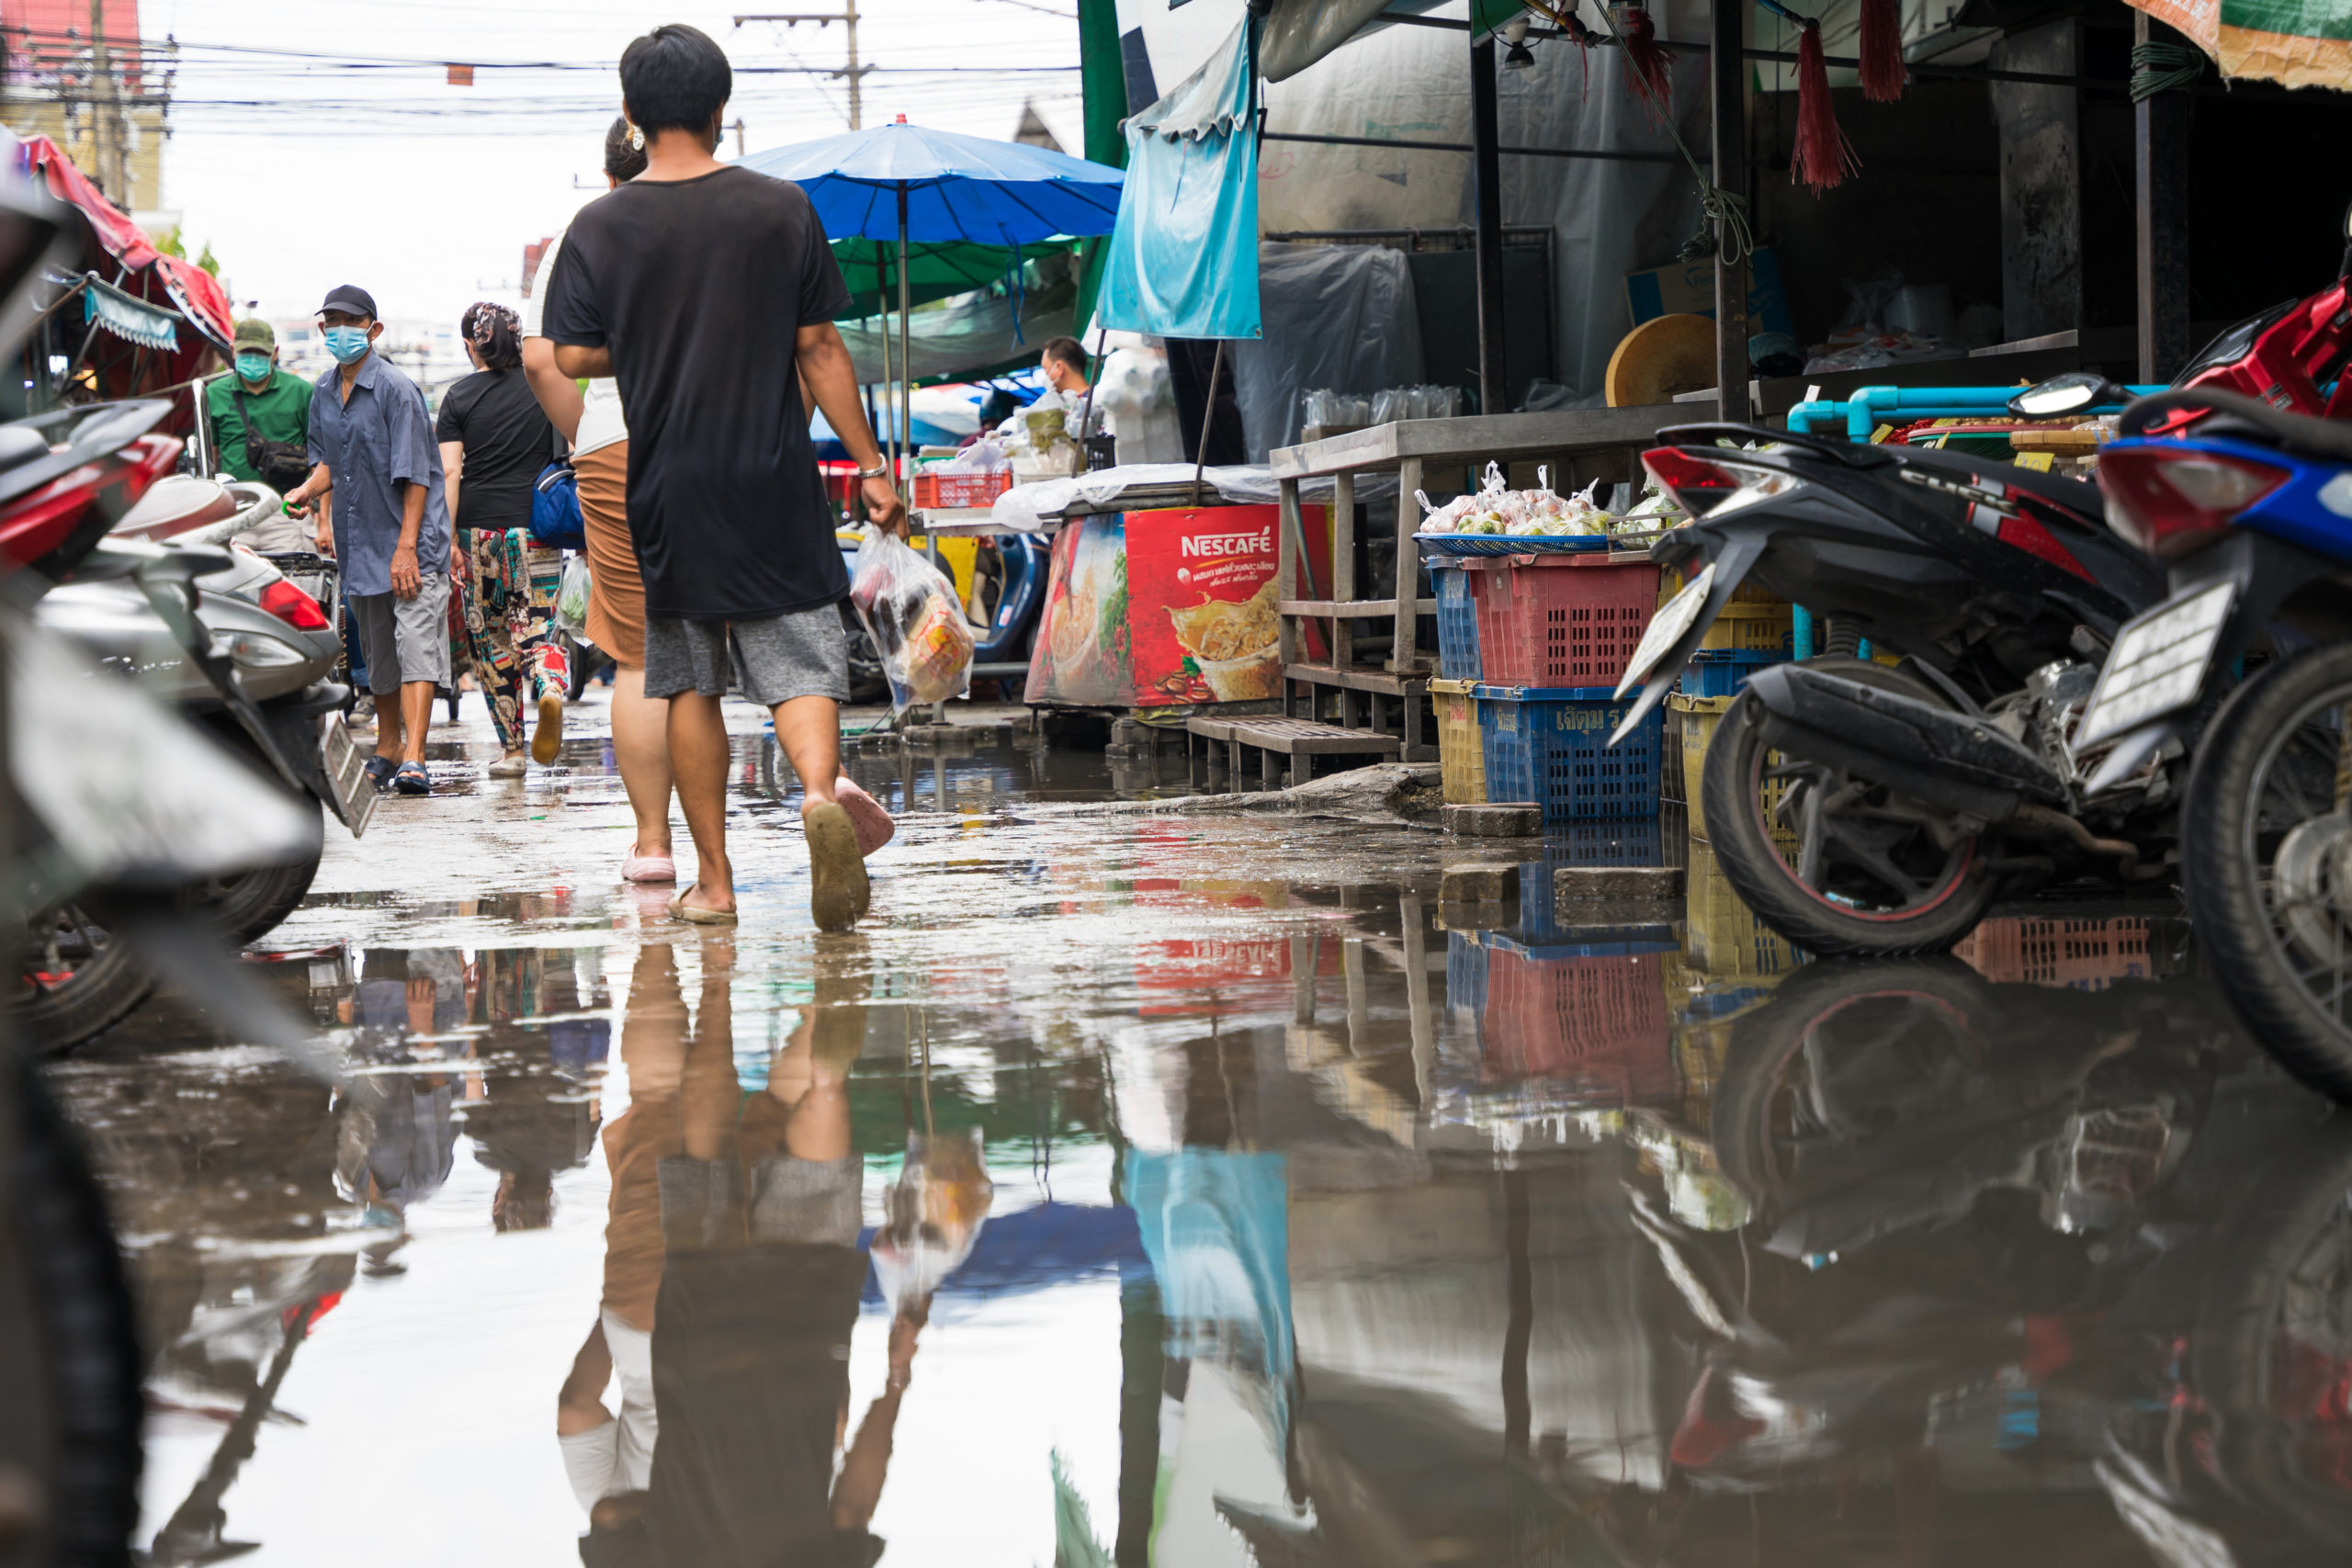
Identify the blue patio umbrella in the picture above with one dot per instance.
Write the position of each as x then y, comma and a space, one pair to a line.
909, 183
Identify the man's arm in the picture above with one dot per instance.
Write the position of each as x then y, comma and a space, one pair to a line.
453, 469
407, 581
312, 493
559, 394
827, 373
575, 361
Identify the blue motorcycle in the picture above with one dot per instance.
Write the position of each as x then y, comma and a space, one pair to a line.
2253, 513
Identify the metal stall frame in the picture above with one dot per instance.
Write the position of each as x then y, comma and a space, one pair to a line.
1568, 438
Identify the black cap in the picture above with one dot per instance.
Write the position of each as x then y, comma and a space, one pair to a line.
352, 299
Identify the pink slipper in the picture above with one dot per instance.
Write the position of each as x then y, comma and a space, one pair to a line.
636, 867
874, 826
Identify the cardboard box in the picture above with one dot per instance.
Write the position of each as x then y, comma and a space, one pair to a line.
1688, 289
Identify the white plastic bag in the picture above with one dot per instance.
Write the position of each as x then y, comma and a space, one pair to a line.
572, 599
910, 611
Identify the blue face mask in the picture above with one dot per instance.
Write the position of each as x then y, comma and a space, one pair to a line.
349, 344
253, 367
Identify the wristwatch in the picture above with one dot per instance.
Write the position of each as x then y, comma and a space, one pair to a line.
878, 472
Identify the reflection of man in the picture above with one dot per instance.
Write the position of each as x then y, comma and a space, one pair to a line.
398, 1137
759, 1281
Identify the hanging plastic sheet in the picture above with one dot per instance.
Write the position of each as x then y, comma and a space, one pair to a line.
1339, 316
2300, 43
1183, 258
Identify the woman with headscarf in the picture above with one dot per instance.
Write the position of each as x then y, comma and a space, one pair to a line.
495, 442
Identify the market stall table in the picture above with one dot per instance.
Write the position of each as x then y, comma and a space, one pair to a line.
1578, 443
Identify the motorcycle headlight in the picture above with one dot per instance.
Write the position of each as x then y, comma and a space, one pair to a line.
251, 650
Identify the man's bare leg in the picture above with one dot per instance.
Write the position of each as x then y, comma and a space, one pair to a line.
809, 729
698, 766
388, 726
415, 718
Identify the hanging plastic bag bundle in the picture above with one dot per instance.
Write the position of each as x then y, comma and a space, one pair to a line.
572, 599
910, 611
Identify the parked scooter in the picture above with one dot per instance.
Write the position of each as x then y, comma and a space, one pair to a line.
2255, 511
1884, 786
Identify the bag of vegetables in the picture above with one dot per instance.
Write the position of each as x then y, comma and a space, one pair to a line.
910, 611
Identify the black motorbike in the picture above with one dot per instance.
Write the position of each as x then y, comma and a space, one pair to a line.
1861, 807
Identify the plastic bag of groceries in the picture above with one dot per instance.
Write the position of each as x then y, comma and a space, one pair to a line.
571, 598
910, 611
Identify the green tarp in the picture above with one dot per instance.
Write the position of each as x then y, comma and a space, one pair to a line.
936, 271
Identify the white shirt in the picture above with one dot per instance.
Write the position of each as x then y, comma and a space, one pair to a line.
601, 424
618, 1456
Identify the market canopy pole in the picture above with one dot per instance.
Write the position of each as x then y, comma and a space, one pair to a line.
1727, 81
1486, 142
2162, 66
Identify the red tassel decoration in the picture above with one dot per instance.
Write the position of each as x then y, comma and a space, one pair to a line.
1883, 73
1823, 157
1648, 64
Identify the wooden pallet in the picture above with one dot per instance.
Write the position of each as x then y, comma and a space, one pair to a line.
1300, 740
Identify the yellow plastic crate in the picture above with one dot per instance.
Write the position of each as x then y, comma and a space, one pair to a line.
1700, 717
1670, 581
1725, 938
1752, 627
1461, 755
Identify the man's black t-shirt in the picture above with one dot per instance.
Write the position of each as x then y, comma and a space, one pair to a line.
699, 289
508, 444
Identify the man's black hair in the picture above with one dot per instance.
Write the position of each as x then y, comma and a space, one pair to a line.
675, 78
1069, 350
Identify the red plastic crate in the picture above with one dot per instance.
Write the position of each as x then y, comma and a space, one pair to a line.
1598, 1020
1560, 620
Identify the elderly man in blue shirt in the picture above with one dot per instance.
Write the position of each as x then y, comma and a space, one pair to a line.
371, 445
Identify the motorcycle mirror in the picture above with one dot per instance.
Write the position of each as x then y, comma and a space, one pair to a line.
2070, 393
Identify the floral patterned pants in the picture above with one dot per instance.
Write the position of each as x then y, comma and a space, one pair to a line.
507, 599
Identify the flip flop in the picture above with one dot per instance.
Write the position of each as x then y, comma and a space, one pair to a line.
873, 825
695, 914
412, 779
380, 769
839, 892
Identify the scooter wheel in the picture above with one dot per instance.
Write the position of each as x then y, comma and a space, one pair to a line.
2266, 860
95, 984
1855, 886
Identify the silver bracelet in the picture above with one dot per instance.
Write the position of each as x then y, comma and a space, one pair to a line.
878, 472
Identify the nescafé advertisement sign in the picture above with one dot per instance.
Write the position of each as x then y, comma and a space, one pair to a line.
1165, 608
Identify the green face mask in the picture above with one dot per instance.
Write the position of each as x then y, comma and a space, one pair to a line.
253, 367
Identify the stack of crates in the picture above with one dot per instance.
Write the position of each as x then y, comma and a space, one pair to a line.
1553, 635
1457, 619
1587, 841
1595, 1015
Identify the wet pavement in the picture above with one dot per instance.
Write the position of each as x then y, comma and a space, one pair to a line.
1141, 1186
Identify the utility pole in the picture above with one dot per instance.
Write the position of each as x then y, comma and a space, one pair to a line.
101, 99
847, 16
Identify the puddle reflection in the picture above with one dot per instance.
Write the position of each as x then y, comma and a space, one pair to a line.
1236, 1206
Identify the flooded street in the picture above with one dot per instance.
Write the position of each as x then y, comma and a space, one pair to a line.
1197, 1188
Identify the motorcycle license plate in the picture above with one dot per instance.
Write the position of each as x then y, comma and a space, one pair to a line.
1667, 627
346, 771
2157, 665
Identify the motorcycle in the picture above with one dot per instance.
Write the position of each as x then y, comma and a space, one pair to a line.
1860, 807
2254, 510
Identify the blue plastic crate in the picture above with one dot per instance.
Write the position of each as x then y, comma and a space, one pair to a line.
1721, 677
1457, 625
1551, 750
1466, 974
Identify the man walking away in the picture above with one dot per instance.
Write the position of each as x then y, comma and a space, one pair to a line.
261, 416
371, 445
708, 292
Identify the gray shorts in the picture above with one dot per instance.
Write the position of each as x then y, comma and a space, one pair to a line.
804, 654
711, 1203
404, 639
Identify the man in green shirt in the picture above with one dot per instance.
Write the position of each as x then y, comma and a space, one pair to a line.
256, 396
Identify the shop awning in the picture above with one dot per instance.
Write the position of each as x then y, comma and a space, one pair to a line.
1182, 261
2297, 43
147, 273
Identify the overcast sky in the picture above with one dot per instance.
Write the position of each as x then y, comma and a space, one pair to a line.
304, 173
